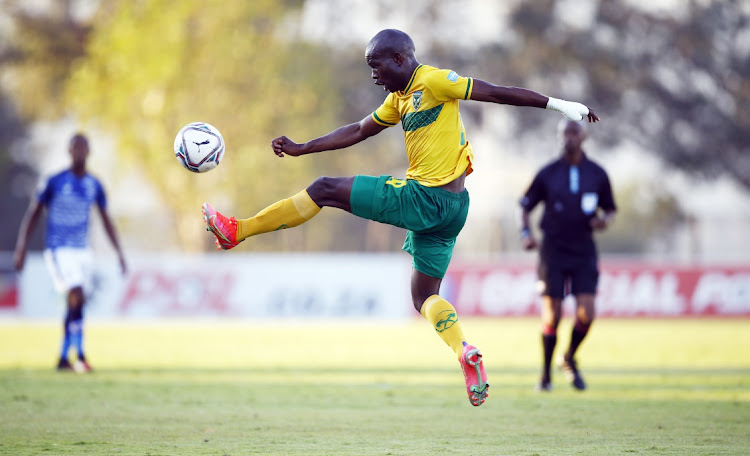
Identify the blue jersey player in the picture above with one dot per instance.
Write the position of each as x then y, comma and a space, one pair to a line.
68, 197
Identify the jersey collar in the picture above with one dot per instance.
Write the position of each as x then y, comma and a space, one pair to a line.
411, 81
584, 159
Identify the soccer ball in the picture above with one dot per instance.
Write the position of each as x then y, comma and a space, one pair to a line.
199, 147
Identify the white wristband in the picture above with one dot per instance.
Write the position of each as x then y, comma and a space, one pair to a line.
570, 109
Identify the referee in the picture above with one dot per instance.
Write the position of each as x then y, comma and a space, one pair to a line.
578, 200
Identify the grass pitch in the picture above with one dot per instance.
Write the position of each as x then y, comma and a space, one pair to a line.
656, 387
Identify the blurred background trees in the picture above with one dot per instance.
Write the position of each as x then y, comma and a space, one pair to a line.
670, 83
673, 85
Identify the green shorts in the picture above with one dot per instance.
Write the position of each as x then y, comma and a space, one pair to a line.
433, 216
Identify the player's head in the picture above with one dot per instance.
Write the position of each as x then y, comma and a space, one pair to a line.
572, 134
79, 150
390, 54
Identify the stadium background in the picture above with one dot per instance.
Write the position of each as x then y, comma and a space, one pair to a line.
669, 78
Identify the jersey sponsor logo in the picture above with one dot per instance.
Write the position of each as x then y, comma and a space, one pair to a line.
446, 319
452, 76
396, 183
416, 100
589, 201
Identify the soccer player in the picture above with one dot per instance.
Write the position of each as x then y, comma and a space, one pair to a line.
431, 203
68, 197
577, 201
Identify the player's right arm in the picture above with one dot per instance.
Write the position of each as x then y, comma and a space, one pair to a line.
528, 241
533, 196
340, 138
517, 96
28, 223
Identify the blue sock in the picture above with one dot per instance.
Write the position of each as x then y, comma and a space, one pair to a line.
75, 327
66, 341
74, 330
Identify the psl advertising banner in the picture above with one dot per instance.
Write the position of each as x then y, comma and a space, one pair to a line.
283, 286
625, 290
234, 286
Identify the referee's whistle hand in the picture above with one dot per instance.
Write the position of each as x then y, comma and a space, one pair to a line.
598, 223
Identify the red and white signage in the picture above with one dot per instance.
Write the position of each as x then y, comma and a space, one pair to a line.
625, 290
8, 292
282, 286
231, 285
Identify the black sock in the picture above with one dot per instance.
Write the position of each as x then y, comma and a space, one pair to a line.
548, 343
579, 332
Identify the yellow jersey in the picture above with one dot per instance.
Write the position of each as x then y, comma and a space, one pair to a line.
434, 134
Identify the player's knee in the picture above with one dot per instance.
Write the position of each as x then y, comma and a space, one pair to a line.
325, 186
551, 321
422, 288
75, 298
586, 317
328, 191
417, 301
586, 314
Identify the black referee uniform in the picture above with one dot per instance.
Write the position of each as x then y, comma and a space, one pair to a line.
571, 195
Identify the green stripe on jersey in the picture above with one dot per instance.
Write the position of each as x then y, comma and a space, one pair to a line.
375, 115
415, 120
468, 87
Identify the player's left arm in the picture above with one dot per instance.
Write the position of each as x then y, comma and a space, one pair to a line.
517, 96
109, 227
607, 204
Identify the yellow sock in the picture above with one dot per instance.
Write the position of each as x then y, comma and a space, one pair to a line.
444, 319
286, 213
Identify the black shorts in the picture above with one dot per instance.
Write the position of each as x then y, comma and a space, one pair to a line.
562, 273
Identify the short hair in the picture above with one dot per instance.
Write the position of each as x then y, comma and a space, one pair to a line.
78, 137
392, 41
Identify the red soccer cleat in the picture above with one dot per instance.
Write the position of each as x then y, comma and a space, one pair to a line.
474, 374
225, 229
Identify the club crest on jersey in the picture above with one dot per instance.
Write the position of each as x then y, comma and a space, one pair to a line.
416, 100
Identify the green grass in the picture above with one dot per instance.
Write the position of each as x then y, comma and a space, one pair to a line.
657, 387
